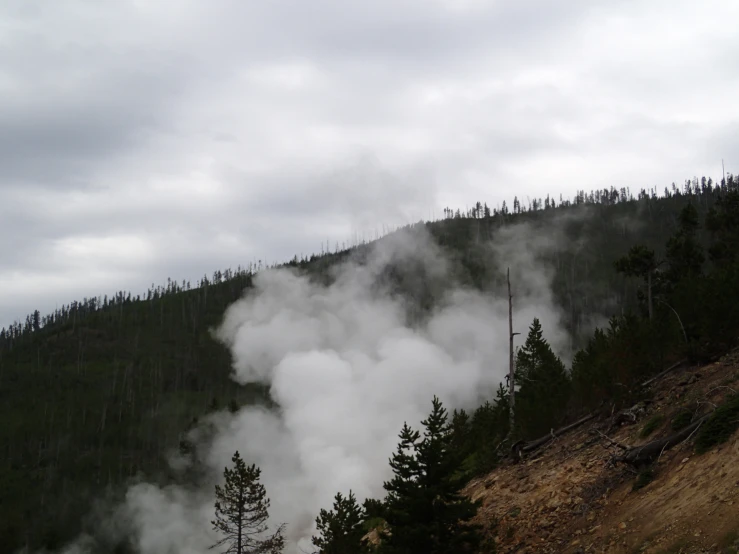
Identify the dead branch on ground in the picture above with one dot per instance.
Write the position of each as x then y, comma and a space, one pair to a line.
647, 453
522, 447
663, 373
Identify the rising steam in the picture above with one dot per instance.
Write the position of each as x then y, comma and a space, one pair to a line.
347, 364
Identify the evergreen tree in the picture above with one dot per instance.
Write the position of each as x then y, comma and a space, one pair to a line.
684, 279
424, 509
683, 252
36, 320
545, 386
242, 510
640, 262
723, 222
340, 530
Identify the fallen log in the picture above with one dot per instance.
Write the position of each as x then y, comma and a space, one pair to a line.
610, 441
526, 447
628, 416
663, 373
643, 455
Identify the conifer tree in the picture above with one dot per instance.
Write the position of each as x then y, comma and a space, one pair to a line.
683, 251
545, 385
340, 530
640, 262
424, 510
242, 510
723, 223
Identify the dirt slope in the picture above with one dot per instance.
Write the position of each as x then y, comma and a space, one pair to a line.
569, 497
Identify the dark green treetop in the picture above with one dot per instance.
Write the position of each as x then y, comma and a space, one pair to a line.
242, 510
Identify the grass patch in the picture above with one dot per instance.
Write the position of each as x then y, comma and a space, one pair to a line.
729, 543
720, 426
676, 547
646, 543
651, 425
643, 478
681, 420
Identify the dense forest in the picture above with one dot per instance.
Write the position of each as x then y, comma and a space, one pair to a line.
101, 389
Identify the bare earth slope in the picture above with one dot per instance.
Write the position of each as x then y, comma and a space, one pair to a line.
570, 497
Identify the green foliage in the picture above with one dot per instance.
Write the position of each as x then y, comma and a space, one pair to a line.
544, 391
723, 222
618, 358
476, 438
341, 529
242, 510
424, 510
729, 542
683, 252
100, 390
720, 426
89, 403
652, 424
677, 547
643, 478
715, 298
639, 262
372, 523
681, 420
373, 508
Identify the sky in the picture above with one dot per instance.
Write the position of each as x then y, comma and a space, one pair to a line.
140, 141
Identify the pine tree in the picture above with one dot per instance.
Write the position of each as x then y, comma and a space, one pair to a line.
723, 223
242, 510
640, 262
683, 251
545, 385
340, 530
424, 510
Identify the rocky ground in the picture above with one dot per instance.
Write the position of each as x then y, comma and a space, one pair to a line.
571, 497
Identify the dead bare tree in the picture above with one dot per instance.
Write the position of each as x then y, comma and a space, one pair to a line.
511, 362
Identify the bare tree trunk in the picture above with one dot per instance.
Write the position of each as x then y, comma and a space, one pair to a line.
511, 366
649, 293
241, 522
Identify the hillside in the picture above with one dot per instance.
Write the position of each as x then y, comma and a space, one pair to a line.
571, 497
100, 391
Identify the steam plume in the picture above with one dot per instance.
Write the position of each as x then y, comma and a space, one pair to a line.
347, 364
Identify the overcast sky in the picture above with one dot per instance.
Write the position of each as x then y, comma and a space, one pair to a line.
143, 139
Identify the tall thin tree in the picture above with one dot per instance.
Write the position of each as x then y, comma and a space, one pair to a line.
242, 510
511, 361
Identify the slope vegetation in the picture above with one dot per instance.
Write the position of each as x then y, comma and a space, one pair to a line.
572, 496
102, 389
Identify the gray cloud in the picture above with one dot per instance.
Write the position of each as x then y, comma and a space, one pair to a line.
156, 141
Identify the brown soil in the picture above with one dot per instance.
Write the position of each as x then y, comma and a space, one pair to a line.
569, 496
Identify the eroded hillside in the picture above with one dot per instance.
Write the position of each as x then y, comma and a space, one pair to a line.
572, 496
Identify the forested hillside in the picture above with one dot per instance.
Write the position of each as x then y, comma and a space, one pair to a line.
100, 390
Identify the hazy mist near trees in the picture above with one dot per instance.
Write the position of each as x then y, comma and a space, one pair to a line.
310, 370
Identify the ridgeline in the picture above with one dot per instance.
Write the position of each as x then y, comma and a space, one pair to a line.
100, 390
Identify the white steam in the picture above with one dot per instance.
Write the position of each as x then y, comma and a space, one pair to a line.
347, 366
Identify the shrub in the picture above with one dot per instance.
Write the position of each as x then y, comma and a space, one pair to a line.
720, 426
681, 420
643, 478
651, 426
